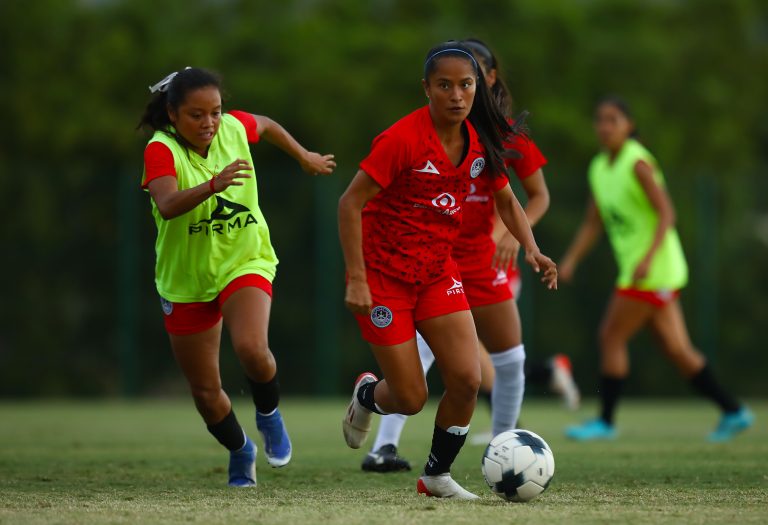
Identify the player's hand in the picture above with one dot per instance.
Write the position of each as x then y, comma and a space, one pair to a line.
230, 174
543, 265
641, 272
316, 164
505, 256
358, 297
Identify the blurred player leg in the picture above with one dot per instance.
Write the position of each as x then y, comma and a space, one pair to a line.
668, 325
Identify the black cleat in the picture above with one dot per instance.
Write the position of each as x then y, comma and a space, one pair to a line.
385, 460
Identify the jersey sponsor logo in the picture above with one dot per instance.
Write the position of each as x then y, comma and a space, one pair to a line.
167, 306
381, 316
456, 289
444, 200
472, 197
225, 218
428, 168
501, 278
445, 204
477, 167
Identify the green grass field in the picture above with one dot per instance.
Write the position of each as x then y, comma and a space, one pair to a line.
154, 462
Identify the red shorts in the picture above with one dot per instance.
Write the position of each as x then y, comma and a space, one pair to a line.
398, 306
487, 286
193, 318
657, 298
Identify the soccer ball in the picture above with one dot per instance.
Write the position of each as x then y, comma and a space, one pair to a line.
518, 465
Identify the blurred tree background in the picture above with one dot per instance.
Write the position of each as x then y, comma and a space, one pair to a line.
80, 315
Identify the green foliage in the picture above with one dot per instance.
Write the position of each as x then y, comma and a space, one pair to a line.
80, 305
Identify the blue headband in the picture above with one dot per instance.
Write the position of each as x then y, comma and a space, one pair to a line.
452, 50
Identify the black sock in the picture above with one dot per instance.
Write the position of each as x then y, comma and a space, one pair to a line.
705, 383
445, 448
365, 396
610, 390
538, 373
228, 432
266, 396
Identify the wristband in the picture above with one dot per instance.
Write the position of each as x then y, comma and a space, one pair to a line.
210, 185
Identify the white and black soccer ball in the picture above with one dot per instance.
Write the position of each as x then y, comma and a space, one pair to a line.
518, 465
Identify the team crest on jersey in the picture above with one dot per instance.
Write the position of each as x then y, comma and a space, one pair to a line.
381, 316
167, 306
477, 167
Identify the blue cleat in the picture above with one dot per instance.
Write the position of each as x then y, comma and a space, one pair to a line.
592, 430
731, 424
242, 465
277, 444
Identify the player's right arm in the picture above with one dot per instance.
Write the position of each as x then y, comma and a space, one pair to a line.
362, 189
172, 202
589, 232
161, 180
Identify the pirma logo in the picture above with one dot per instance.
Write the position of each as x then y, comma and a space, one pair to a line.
227, 220
381, 316
501, 278
167, 306
477, 167
456, 289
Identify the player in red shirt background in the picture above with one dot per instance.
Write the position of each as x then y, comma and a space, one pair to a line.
398, 222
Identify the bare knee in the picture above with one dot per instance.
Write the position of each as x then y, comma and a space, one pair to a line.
606, 337
256, 357
209, 400
463, 385
411, 402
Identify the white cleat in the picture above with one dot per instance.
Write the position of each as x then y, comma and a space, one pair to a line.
562, 381
443, 486
357, 421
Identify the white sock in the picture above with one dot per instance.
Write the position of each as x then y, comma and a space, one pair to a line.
390, 428
508, 388
391, 425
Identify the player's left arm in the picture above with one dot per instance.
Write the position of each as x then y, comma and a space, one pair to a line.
536, 206
311, 162
661, 202
514, 217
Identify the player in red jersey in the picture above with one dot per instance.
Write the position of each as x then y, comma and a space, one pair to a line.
486, 253
398, 221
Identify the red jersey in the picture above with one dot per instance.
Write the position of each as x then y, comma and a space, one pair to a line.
474, 246
158, 159
409, 228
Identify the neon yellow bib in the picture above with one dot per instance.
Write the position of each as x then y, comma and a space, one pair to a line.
222, 238
630, 220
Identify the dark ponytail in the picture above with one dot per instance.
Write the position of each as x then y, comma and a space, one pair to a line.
489, 121
499, 91
171, 92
